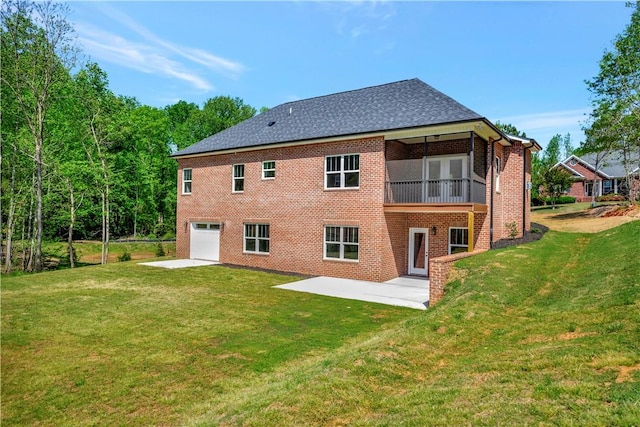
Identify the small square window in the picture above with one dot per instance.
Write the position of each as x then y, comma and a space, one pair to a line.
257, 238
341, 243
342, 171
458, 240
269, 169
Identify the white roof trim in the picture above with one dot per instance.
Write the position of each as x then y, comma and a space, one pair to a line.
570, 168
588, 165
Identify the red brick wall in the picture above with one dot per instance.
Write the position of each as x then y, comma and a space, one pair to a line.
295, 204
297, 207
509, 198
577, 190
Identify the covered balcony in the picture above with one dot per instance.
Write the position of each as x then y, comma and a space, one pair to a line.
436, 173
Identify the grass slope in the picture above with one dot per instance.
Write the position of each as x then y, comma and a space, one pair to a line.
546, 333
127, 344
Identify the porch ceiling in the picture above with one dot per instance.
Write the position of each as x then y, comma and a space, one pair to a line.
447, 131
435, 207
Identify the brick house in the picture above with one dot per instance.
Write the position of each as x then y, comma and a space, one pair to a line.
368, 184
610, 175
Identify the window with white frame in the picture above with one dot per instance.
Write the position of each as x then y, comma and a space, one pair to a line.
342, 171
458, 240
341, 242
498, 169
238, 178
186, 181
269, 169
256, 238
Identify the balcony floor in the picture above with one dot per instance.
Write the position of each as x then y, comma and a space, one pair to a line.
435, 207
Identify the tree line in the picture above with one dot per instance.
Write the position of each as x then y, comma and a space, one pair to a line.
77, 160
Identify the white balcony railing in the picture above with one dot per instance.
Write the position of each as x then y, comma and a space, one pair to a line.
462, 190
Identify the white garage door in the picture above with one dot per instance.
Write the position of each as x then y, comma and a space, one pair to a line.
205, 241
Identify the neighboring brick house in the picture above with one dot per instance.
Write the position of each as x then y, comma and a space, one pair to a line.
368, 184
610, 175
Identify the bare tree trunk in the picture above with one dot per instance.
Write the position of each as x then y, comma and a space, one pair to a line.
105, 225
135, 217
103, 256
106, 246
8, 255
593, 182
38, 218
27, 252
8, 263
72, 220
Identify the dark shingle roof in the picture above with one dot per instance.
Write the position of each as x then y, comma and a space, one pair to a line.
399, 105
612, 165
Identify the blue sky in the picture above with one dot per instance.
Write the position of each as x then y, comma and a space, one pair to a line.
518, 62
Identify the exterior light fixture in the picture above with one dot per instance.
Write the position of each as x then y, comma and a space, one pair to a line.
433, 230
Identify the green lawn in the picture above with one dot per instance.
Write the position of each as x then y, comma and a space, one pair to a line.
541, 334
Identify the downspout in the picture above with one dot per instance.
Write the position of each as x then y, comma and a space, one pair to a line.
493, 157
493, 161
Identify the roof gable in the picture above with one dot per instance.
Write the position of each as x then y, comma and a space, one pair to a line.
610, 167
399, 105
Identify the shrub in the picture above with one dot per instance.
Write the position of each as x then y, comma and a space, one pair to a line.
169, 235
126, 256
611, 198
537, 201
160, 250
512, 229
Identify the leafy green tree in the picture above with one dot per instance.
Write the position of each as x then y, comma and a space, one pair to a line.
601, 142
567, 146
552, 179
39, 41
103, 118
551, 155
615, 120
510, 129
555, 181
217, 114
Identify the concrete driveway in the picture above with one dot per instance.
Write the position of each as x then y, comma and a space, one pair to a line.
402, 291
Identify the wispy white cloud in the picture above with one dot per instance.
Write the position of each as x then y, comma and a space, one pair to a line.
153, 54
543, 126
548, 120
137, 56
209, 60
355, 18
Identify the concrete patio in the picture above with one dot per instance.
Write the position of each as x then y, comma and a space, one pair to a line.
402, 291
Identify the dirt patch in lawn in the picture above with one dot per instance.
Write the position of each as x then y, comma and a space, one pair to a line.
590, 220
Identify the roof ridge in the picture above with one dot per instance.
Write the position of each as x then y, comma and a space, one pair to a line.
349, 91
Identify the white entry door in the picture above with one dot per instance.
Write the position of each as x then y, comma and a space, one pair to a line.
205, 241
418, 251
